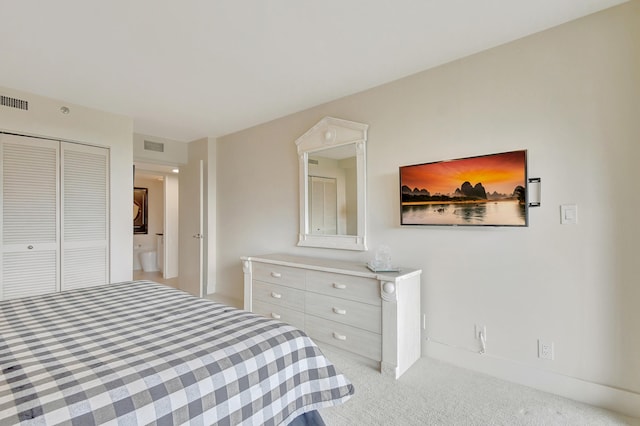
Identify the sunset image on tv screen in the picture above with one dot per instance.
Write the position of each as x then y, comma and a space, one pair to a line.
485, 190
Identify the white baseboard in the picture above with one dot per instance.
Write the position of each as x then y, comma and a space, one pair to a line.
621, 401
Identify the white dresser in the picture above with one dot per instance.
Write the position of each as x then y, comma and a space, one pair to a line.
344, 304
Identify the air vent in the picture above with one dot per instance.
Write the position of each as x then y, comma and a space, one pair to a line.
153, 146
311, 161
14, 103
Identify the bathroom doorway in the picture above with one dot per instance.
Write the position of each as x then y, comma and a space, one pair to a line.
155, 252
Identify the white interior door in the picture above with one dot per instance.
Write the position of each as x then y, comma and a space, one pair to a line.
323, 205
84, 216
29, 195
191, 186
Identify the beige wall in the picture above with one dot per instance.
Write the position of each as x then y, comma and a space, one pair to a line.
175, 152
89, 126
211, 236
571, 96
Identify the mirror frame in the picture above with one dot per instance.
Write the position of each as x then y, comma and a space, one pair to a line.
328, 133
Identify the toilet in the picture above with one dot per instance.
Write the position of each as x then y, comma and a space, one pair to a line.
136, 258
148, 260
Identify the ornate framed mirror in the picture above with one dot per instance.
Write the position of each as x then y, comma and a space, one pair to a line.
333, 185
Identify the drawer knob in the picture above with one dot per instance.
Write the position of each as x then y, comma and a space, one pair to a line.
339, 286
339, 311
275, 316
276, 275
276, 295
389, 287
339, 336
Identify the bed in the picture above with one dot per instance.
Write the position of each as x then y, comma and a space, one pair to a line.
139, 352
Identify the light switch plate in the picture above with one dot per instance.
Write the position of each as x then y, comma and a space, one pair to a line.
569, 214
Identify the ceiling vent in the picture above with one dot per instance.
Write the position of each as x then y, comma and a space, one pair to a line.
153, 146
312, 161
14, 103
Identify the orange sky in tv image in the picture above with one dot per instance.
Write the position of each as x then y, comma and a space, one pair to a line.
500, 172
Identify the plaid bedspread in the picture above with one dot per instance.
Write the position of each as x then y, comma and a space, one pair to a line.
138, 353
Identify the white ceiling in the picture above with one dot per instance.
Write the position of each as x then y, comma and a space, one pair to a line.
195, 68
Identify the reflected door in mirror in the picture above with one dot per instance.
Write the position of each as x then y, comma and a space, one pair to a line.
323, 205
333, 202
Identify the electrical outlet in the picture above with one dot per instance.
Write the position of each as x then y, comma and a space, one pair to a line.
545, 350
480, 328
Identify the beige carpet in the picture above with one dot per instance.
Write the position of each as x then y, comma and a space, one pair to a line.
436, 393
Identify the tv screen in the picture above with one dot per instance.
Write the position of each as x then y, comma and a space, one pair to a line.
488, 190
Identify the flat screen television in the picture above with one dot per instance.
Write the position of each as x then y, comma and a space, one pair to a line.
488, 190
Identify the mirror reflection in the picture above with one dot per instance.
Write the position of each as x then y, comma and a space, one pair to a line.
332, 185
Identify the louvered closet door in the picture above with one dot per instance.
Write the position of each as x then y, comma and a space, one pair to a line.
85, 221
29, 220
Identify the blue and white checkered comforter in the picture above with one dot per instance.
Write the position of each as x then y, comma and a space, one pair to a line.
139, 353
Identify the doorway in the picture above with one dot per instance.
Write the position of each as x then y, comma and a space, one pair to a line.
155, 246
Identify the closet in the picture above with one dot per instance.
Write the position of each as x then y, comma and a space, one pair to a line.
54, 222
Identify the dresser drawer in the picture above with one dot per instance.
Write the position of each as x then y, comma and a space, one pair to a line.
278, 295
349, 338
339, 303
359, 289
276, 274
269, 310
356, 314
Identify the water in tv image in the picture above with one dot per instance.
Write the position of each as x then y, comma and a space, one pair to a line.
486, 190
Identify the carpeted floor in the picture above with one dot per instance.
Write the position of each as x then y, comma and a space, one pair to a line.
436, 393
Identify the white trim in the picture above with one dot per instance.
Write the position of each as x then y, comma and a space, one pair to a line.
622, 401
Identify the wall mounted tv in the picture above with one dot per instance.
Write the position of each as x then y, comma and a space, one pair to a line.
488, 190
